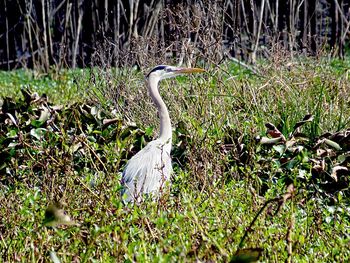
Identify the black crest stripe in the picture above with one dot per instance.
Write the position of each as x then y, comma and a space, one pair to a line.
157, 68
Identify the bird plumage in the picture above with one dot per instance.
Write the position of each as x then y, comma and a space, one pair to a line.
153, 178
148, 172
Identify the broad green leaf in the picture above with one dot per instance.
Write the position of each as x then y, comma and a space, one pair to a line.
38, 133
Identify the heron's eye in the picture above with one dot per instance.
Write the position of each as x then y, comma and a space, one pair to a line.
168, 70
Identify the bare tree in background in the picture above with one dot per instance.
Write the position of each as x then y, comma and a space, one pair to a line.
70, 33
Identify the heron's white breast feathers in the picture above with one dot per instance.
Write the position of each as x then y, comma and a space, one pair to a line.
147, 171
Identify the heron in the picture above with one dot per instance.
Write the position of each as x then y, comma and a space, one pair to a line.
148, 172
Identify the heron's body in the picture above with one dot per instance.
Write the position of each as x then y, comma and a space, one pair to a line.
151, 178
148, 172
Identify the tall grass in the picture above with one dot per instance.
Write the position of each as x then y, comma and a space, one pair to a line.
219, 183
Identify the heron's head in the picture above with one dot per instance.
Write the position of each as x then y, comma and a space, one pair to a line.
164, 71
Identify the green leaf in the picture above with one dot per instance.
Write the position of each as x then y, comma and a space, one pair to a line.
265, 140
55, 215
37, 123
332, 144
247, 255
44, 115
12, 134
149, 131
279, 148
38, 133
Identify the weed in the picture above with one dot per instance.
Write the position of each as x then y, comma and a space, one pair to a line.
231, 192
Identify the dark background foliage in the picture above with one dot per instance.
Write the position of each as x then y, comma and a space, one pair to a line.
80, 33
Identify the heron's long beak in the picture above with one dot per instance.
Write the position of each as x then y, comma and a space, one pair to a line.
189, 70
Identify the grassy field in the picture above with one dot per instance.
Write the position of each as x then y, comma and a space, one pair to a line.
236, 184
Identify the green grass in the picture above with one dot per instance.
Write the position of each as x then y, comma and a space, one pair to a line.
218, 188
60, 87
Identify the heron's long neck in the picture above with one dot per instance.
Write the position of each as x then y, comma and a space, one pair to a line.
165, 123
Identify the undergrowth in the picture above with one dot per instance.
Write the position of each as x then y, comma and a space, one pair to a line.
237, 184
